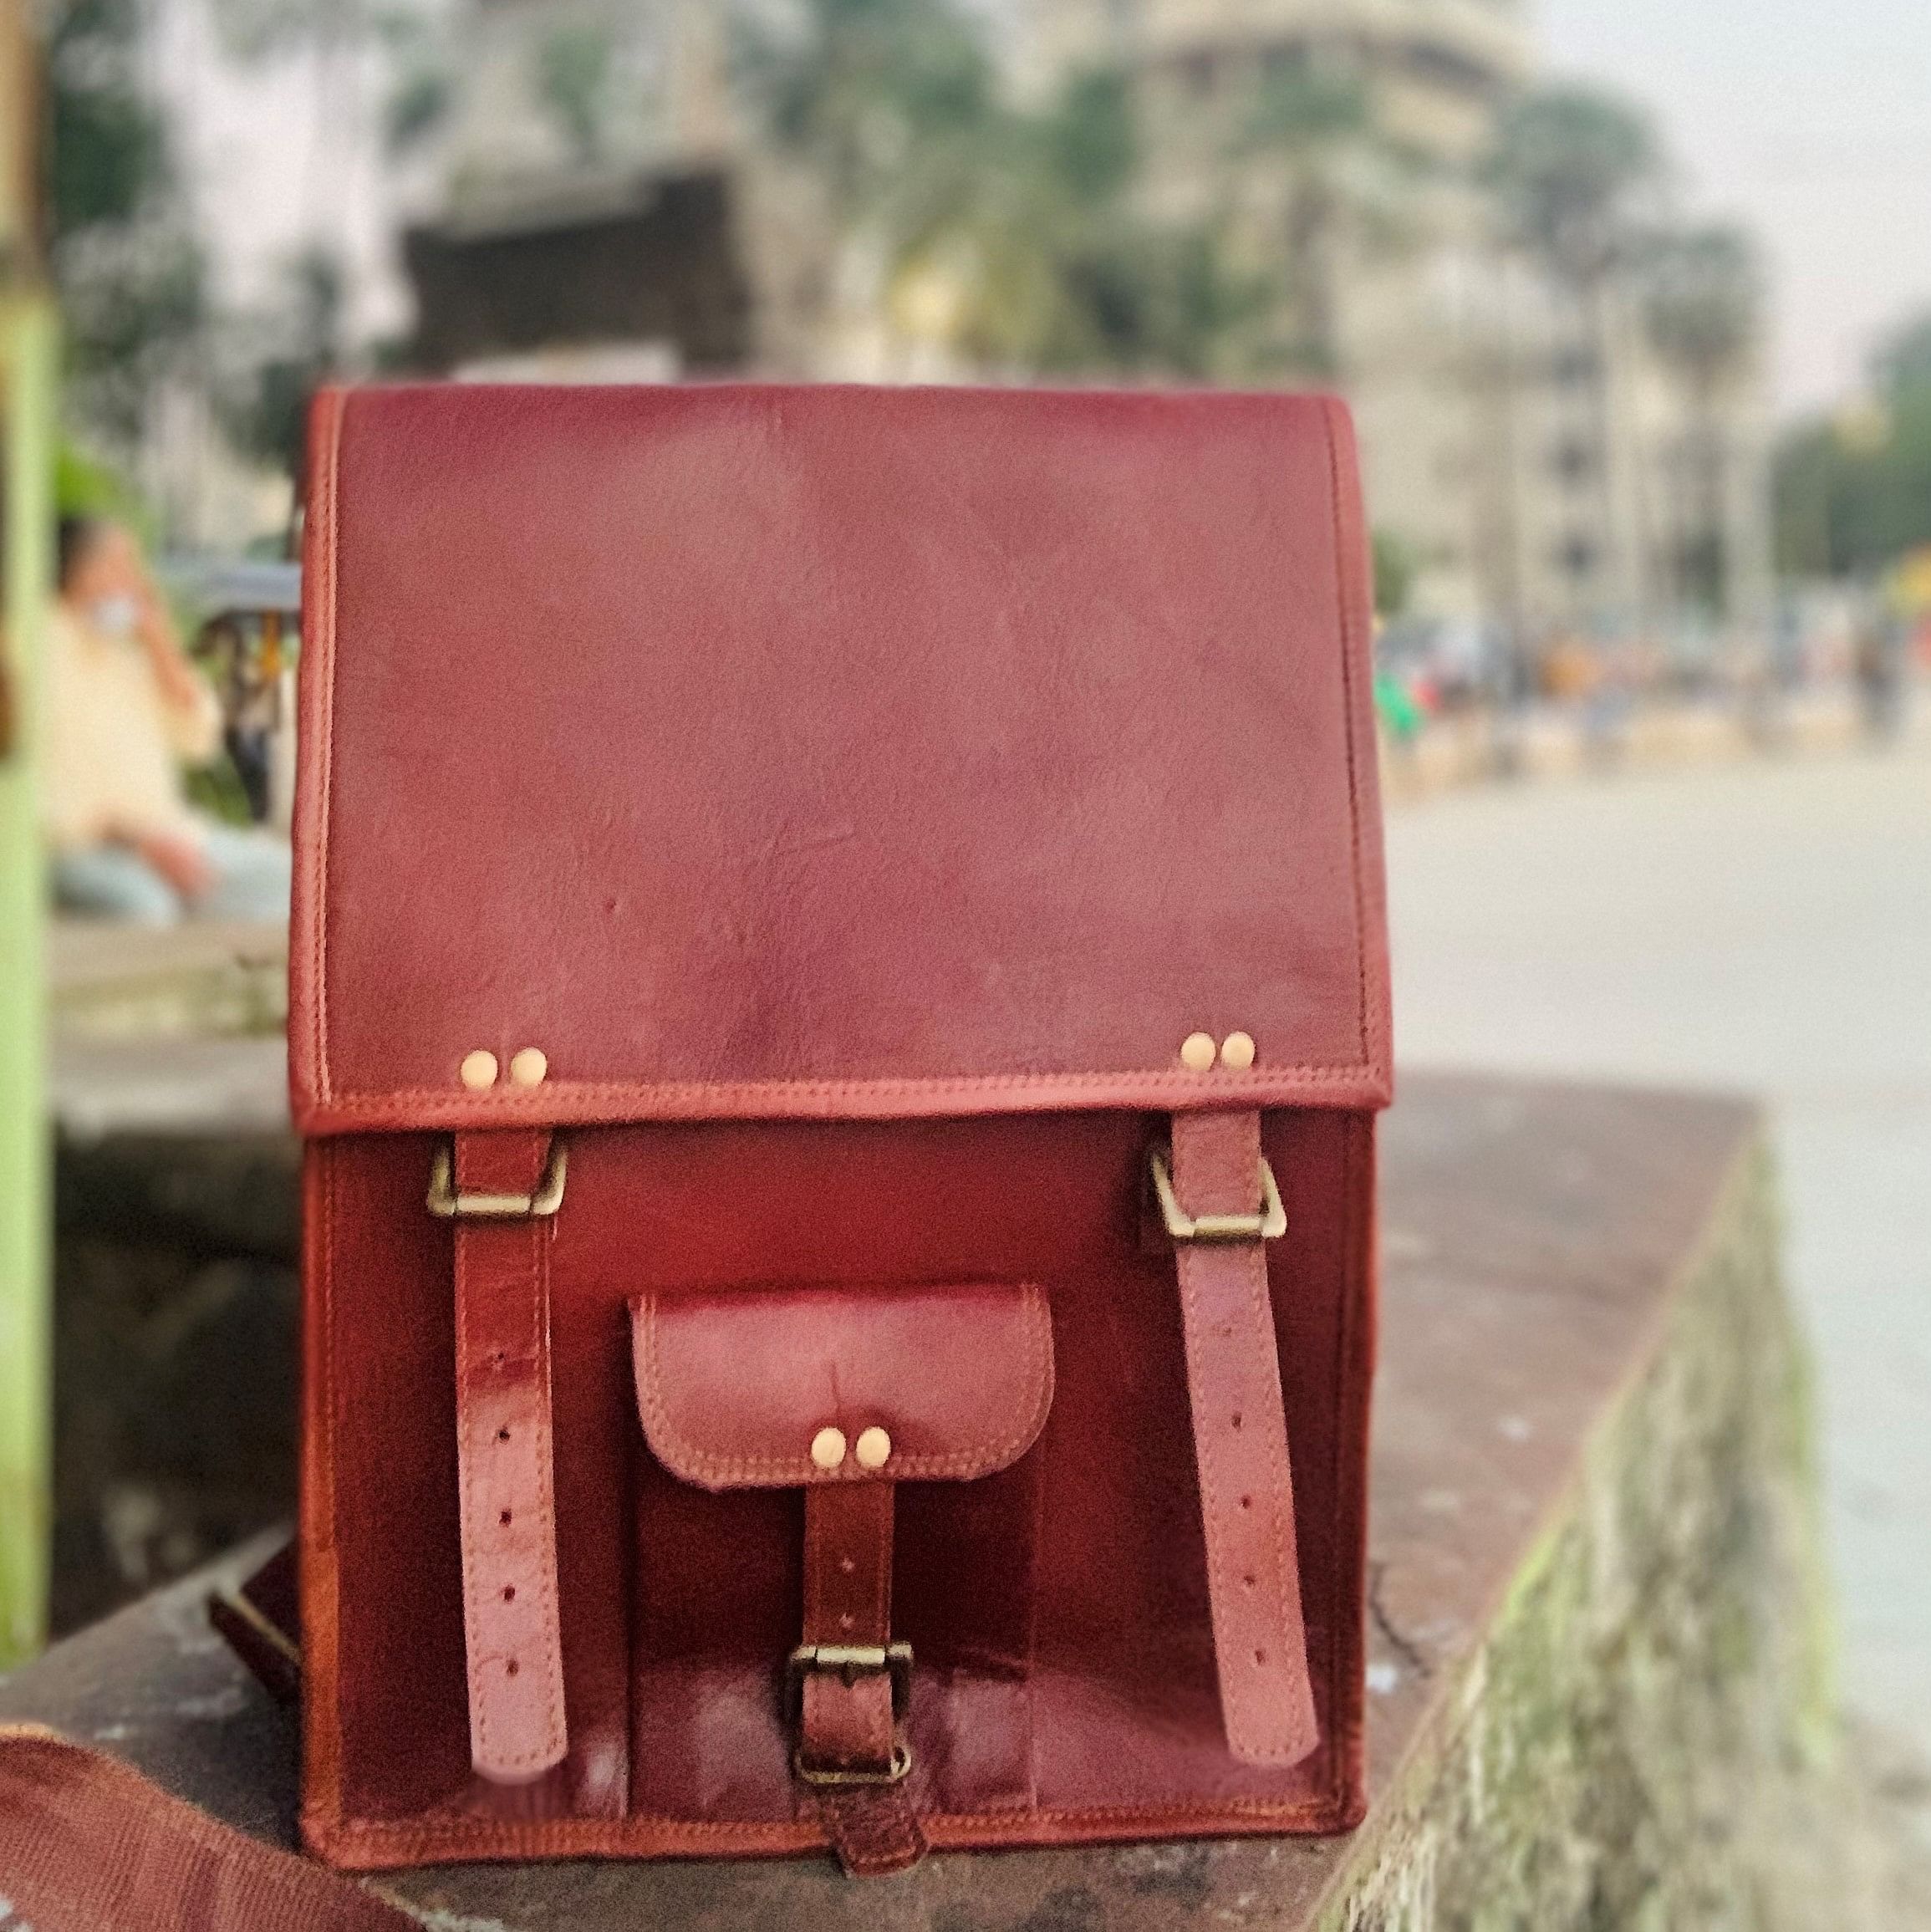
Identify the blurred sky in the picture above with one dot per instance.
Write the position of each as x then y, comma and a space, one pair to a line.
1811, 119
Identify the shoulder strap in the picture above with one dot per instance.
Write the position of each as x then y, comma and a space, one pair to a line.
86, 1841
1219, 1204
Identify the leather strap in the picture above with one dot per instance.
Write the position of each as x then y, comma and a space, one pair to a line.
510, 1626
846, 1722
87, 1843
1240, 1447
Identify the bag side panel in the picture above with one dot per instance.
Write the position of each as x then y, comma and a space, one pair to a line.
387, 1693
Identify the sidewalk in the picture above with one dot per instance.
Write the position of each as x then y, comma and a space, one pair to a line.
1558, 741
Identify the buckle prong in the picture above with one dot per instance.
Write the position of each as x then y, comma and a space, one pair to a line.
806, 1774
852, 1661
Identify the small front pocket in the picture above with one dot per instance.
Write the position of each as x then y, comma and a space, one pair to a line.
797, 1434
746, 1388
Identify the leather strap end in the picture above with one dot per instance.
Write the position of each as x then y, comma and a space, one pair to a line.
1240, 1447
512, 1625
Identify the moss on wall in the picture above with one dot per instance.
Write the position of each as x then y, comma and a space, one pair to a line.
1645, 1739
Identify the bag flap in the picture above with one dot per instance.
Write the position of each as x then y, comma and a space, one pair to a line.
735, 1386
751, 751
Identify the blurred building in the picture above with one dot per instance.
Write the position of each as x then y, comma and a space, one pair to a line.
606, 210
1522, 486
588, 221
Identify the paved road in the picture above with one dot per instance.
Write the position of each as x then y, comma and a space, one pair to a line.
1766, 927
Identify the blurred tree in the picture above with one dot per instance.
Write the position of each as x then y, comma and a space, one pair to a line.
573, 82
1853, 490
876, 96
1341, 179
1704, 310
1571, 169
1013, 236
1572, 166
1054, 268
1903, 364
129, 271
413, 37
303, 343
1396, 567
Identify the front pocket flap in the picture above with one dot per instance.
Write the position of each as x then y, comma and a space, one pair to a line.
735, 1385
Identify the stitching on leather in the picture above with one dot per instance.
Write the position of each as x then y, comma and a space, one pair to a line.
552, 1636
477, 1616
688, 1459
1344, 610
376, 1104
579, 1837
1281, 1474
479, 1704
338, 407
320, 1681
1230, 1622
1359, 1292
1208, 1086
1220, 1598
1343, 1433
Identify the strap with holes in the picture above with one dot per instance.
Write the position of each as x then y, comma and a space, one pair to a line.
851, 1681
1240, 1446
510, 1626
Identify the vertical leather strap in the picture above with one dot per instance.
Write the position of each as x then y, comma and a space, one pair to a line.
846, 1722
510, 1626
1240, 1447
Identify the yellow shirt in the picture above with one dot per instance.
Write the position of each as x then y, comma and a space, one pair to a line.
114, 742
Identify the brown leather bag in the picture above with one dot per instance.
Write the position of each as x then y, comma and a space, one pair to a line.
839, 1000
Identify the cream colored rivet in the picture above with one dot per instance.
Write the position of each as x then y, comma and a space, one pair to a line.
1236, 1050
528, 1067
828, 1448
479, 1069
874, 1447
1197, 1052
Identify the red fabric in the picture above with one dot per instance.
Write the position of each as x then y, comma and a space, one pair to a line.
88, 1845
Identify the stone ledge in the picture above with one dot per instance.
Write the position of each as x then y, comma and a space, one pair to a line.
111, 983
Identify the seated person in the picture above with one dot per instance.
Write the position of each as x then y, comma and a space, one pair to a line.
125, 709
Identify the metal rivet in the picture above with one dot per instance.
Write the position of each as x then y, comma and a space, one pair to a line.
828, 1448
478, 1070
528, 1066
1237, 1051
874, 1448
1197, 1052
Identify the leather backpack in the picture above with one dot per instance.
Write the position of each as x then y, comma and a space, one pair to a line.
839, 1003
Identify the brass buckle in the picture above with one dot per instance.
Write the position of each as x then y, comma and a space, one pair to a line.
1269, 1223
851, 1661
444, 1202
901, 1764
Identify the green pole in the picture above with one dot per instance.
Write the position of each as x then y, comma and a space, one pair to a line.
27, 385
